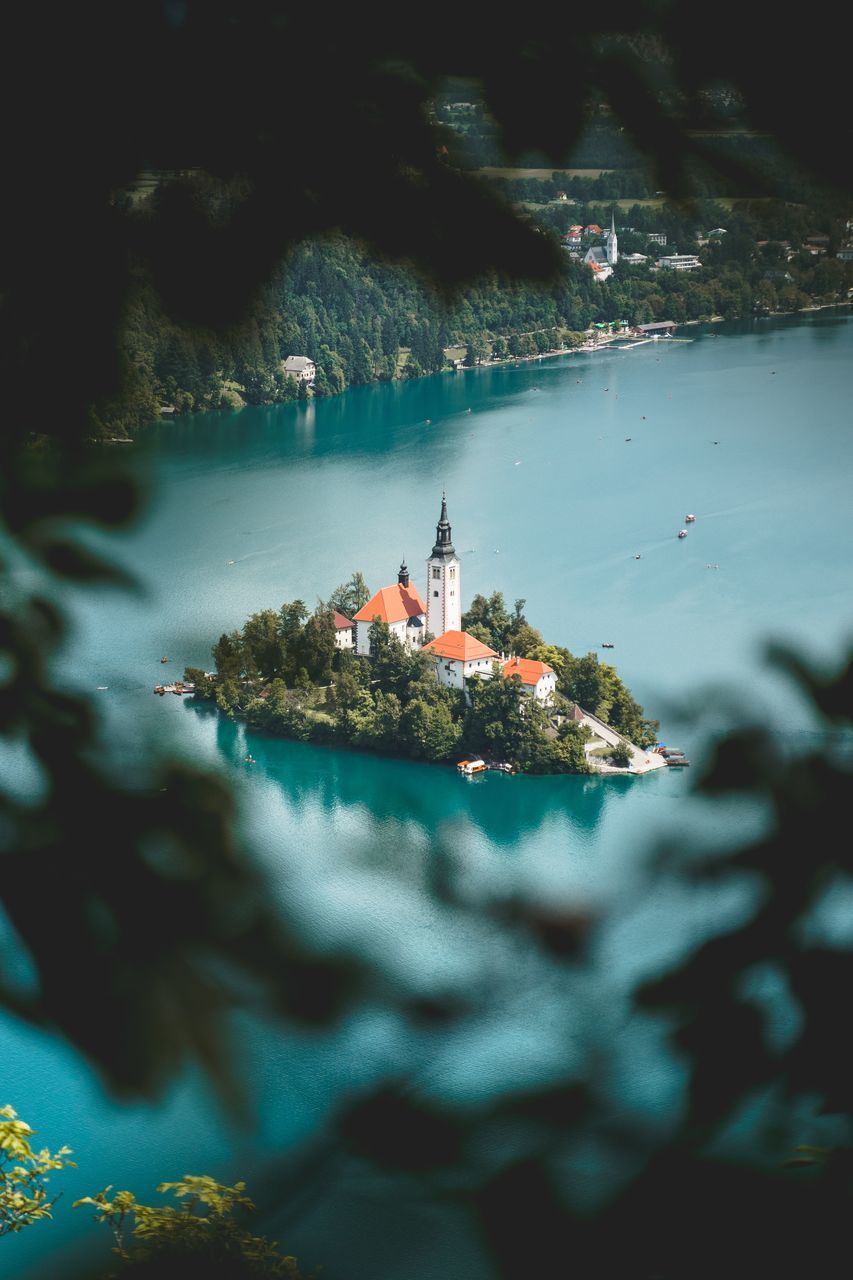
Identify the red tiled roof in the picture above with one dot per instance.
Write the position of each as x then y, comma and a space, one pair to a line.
392, 604
529, 669
594, 229
342, 623
459, 646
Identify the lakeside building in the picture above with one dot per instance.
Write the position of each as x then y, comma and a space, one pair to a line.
656, 237
657, 327
635, 258
302, 368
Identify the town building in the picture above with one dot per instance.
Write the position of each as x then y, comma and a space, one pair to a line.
656, 237
845, 253
399, 606
537, 678
603, 258
344, 632
458, 656
679, 262
635, 258
301, 368
659, 327
444, 587
601, 271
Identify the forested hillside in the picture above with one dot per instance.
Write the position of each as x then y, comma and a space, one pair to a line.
364, 320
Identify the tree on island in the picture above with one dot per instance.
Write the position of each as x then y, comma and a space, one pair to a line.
350, 596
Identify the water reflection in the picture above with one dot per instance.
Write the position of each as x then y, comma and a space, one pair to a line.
504, 809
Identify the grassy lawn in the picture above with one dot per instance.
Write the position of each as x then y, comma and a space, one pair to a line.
455, 353
323, 717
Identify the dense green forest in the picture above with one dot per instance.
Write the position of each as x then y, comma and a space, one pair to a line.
362, 319
283, 674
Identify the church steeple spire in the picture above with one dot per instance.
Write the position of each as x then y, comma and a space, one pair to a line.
443, 544
611, 244
403, 574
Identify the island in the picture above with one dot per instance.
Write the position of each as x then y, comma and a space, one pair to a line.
392, 672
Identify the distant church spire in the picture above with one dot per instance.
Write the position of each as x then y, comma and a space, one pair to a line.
403, 575
612, 245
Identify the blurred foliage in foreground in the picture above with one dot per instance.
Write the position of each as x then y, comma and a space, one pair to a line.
117, 855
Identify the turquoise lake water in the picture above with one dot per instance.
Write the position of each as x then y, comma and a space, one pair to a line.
746, 426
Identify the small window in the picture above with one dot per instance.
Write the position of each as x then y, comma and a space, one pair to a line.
452, 572
435, 593
436, 571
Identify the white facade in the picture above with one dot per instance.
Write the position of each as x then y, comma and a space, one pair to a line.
538, 680
453, 672
545, 687
302, 368
444, 581
408, 635
344, 637
679, 262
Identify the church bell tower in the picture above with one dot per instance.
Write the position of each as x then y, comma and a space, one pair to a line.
443, 593
612, 244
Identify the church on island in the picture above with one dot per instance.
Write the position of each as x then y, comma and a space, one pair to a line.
457, 655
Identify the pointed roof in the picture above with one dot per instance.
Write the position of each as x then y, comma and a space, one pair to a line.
530, 670
392, 604
443, 543
612, 222
460, 646
342, 623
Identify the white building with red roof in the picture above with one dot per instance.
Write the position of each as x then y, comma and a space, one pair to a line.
537, 678
401, 607
344, 631
458, 656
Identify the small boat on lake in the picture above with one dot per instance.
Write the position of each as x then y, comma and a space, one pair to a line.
469, 767
606, 644
682, 533
689, 519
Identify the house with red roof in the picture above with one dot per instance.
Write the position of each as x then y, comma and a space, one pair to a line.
344, 632
537, 678
458, 656
400, 606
